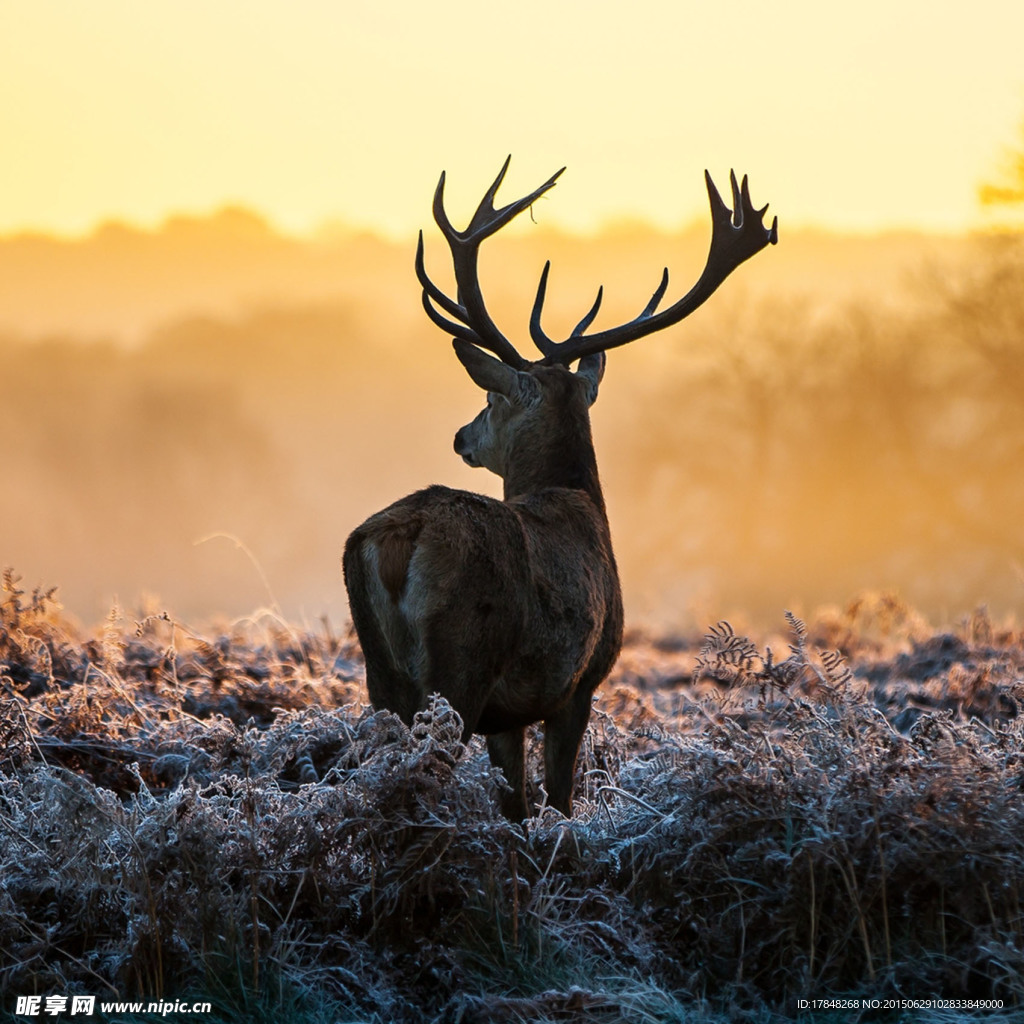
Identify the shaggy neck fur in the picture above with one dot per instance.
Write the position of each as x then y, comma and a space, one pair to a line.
559, 454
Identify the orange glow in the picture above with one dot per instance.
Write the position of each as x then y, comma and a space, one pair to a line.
841, 416
818, 428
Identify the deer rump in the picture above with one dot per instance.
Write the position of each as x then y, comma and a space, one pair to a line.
499, 606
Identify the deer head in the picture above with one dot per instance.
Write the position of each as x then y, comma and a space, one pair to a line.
523, 395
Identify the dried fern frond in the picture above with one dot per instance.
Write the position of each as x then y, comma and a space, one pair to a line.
724, 655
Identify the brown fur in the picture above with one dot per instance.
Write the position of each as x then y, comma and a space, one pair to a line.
396, 541
509, 609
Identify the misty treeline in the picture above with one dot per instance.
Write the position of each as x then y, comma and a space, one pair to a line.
812, 455
770, 452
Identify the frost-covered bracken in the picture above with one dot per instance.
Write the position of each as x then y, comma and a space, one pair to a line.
218, 812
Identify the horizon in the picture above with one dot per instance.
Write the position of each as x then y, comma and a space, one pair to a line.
122, 281
333, 230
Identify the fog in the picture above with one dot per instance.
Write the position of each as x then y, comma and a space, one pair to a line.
196, 417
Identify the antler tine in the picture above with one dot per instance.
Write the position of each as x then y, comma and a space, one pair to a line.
720, 213
738, 197
431, 291
659, 294
540, 339
432, 294
736, 235
475, 323
588, 318
487, 220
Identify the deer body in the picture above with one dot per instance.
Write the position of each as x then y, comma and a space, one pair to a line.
512, 609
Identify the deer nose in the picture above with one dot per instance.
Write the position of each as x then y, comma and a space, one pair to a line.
464, 448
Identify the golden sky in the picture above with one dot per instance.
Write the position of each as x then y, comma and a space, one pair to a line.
884, 113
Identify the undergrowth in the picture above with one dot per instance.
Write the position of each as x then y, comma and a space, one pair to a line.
218, 813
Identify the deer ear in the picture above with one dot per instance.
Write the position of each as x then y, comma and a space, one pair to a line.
590, 371
492, 374
487, 372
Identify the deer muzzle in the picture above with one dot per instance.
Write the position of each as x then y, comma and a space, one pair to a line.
464, 447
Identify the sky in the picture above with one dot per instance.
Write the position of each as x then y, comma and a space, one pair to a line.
880, 115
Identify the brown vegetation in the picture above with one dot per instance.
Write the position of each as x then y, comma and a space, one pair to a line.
217, 813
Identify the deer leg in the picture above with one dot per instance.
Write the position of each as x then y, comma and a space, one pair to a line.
384, 638
563, 733
468, 694
392, 690
506, 752
446, 669
389, 687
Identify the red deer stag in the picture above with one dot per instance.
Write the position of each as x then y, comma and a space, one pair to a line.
511, 609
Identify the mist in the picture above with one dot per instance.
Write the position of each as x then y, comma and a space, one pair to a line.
197, 416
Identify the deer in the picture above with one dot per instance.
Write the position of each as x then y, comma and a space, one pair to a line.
512, 609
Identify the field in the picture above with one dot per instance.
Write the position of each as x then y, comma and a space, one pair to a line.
835, 811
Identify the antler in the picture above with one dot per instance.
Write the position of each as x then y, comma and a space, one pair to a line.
736, 235
474, 323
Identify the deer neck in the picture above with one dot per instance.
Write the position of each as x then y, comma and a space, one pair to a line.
559, 458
